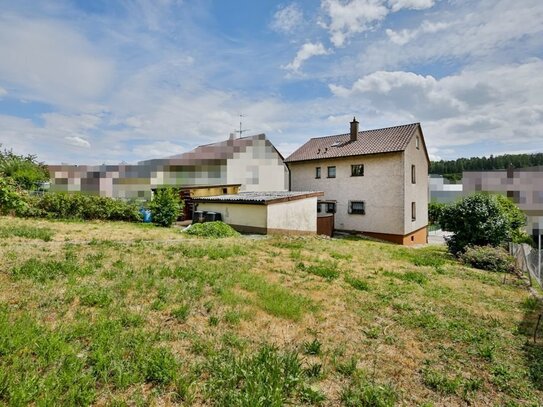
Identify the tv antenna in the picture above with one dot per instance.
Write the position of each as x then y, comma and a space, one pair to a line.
241, 129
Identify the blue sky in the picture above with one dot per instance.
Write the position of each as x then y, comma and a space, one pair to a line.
106, 81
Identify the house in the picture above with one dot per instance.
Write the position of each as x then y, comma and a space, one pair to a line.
524, 186
265, 212
444, 191
374, 181
252, 162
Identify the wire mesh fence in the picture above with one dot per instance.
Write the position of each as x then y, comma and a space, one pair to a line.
529, 260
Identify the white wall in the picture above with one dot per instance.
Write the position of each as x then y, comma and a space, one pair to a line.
258, 168
299, 215
417, 192
381, 188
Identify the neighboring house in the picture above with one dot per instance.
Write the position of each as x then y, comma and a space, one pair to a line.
374, 181
442, 190
523, 185
252, 162
265, 212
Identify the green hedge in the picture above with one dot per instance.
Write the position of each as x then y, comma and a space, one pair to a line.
63, 205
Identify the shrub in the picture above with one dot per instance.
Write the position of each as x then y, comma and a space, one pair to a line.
211, 229
25, 171
62, 205
435, 210
11, 199
165, 207
478, 220
488, 258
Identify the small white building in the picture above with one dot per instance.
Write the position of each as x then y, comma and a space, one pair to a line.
265, 212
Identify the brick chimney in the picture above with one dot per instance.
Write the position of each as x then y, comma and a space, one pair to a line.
354, 129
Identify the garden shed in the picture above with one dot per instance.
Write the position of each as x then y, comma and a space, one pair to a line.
265, 212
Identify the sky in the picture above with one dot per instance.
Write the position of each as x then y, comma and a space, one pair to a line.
110, 81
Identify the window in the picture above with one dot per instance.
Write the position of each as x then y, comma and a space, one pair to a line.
331, 172
330, 207
357, 207
317, 172
413, 211
357, 170
413, 175
318, 207
225, 191
417, 142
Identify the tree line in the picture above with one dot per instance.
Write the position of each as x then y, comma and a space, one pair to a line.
454, 168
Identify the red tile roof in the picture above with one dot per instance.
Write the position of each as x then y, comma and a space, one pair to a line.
387, 140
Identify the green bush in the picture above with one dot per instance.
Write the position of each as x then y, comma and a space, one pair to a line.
165, 207
11, 199
434, 212
62, 205
480, 220
211, 229
25, 171
488, 258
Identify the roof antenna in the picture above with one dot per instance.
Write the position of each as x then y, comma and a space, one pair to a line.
241, 129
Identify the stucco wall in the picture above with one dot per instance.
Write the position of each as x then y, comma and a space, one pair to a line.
381, 188
238, 214
258, 168
417, 192
298, 215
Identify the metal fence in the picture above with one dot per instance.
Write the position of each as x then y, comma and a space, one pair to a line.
529, 260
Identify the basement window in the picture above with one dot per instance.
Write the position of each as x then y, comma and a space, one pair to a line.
357, 207
332, 172
317, 172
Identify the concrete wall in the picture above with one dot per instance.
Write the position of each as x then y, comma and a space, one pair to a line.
239, 214
299, 215
381, 188
417, 192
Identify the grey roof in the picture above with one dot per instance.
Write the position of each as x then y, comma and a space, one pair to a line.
259, 198
387, 140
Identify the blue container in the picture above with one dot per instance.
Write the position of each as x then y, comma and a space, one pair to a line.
146, 215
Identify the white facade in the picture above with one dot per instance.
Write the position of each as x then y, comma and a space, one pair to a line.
393, 203
291, 213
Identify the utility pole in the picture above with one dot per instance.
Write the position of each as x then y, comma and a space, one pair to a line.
241, 129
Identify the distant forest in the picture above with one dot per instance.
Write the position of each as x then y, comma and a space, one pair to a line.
453, 169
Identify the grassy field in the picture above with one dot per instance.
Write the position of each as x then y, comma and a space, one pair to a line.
125, 314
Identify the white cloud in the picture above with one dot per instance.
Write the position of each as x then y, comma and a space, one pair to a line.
287, 19
307, 51
356, 16
502, 104
402, 37
3, 92
50, 61
158, 149
77, 141
397, 5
